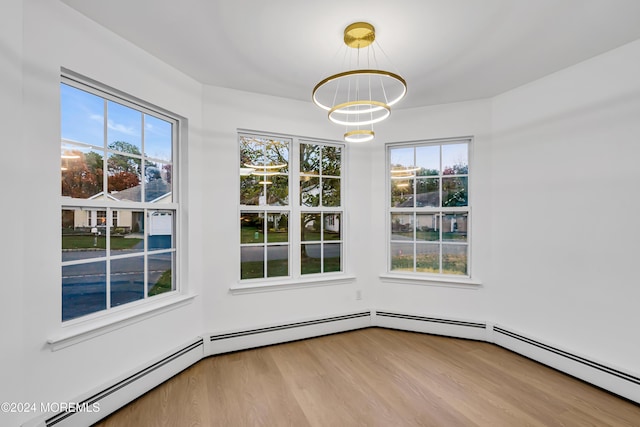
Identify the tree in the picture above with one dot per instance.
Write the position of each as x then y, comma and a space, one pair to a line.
257, 153
121, 162
122, 181
124, 170
81, 174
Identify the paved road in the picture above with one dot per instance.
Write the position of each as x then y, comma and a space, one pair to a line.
84, 285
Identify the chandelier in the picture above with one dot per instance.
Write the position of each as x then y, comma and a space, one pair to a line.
362, 95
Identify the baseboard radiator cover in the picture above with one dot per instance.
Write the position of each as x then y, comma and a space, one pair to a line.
124, 391
275, 334
431, 325
613, 380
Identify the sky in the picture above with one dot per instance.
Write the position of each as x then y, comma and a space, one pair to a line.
428, 156
83, 120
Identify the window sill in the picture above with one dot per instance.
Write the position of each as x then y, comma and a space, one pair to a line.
268, 286
80, 332
448, 281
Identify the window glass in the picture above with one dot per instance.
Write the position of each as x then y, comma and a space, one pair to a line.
127, 280
267, 247
83, 116
429, 207
84, 289
157, 139
113, 153
124, 128
82, 171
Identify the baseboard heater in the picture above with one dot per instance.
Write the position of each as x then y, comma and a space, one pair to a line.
126, 390
613, 380
274, 334
431, 325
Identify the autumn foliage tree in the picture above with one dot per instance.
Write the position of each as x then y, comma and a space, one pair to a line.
81, 174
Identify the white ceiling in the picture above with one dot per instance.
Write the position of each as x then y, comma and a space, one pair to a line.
447, 50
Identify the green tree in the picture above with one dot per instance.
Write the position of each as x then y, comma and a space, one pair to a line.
122, 162
124, 170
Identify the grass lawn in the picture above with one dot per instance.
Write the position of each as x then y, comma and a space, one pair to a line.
90, 242
451, 264
280, 268
163, 284
248, 235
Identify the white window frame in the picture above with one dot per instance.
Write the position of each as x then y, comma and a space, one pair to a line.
83, 327
294, 209
418, 277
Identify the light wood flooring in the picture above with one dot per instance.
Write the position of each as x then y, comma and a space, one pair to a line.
375, 377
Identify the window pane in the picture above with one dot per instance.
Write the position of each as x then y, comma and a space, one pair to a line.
84, 289
161, 228
310, 159
124, 128
123, 237
331, 160
277, 189
454, 259
264, 171
401, 158
277, 154
310, 191
81, 239
157, 138
454, 191
250, 188
157, 178
251, 227
277, 227
332, 226
402, 193
332, 257
311, 258
427, 227
127, 280
251, 152
310, 227
81, 171
428, 258
455, 159
251, 262
454, 228
277, 261
331, 192
428, 160
428, 192
402, 226
124, 174
160, 274
402, 256
82, 116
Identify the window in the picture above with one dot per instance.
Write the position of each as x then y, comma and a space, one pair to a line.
283, 236
320, 201
119, 202
428, 207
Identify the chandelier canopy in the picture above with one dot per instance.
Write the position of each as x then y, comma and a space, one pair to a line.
363, 95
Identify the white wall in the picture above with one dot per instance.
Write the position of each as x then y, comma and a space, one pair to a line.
56, 36
226, 111
565, 186
12, 165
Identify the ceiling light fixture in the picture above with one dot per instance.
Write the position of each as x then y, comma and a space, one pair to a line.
362, 96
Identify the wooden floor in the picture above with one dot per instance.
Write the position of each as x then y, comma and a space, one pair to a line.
375, 377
